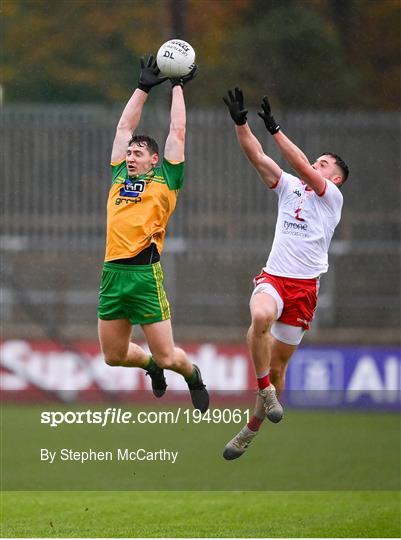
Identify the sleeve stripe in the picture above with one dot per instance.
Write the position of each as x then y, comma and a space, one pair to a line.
275, 185
114, 163
324, 191
174, 162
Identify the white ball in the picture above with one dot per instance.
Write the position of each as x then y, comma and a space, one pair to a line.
175, 58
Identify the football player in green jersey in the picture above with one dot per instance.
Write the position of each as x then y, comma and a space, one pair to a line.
141, 199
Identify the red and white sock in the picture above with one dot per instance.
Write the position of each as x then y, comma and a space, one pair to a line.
263, 381
254, 423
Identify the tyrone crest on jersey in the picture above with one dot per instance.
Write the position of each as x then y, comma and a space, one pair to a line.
297, 216
300, 200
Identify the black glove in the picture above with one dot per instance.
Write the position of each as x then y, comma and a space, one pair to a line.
270, 123
235, 105
180, 81
149, 75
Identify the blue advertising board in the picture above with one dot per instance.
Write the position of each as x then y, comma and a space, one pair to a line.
345, 376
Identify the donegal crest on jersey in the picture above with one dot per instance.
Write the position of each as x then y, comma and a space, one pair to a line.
139, 207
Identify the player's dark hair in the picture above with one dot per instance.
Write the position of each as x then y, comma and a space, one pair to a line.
340, 163
145, 141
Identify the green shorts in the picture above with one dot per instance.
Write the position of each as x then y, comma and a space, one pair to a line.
133, 292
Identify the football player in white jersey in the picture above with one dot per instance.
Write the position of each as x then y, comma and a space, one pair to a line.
284, 299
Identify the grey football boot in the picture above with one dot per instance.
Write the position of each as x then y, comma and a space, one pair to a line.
273, 409
237, 446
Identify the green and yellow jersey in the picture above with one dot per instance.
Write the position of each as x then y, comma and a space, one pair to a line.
139, 207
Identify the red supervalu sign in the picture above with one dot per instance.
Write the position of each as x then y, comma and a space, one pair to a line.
43, 370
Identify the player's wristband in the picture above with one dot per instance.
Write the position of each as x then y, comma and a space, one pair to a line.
177, 82
240, 121
273, 130
144, 88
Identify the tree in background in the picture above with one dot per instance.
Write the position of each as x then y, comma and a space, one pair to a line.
373, 45
304, 53
76, 50
288, 50
314, 53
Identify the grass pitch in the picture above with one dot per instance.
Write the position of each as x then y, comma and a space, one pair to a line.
308, 451
318, 474
200, 514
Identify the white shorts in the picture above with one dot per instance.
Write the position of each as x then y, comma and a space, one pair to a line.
291, 335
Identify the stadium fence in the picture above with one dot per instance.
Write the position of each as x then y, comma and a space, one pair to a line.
55, 176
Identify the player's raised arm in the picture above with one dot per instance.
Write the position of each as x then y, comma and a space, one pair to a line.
175, 143
268, 169
174, 150
294, 155
148, 77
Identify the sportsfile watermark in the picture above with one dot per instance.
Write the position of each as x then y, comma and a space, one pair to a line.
114, 415
169, 446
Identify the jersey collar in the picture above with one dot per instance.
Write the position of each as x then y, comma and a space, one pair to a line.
143, 176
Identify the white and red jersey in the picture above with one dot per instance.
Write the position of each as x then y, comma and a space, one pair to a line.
304, 229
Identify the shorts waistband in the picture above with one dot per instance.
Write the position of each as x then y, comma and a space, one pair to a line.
130, 267
295, 280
